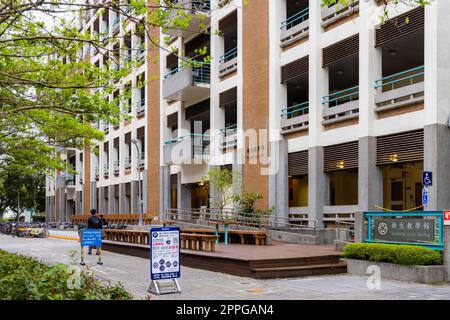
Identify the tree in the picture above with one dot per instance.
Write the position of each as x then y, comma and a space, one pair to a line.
221, 182
50, 94
24, 192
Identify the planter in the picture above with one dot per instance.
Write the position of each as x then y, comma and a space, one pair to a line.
420, 274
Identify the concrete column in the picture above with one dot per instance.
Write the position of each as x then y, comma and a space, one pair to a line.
145, 187
278, 182
111, 201
447, 252
437, 155
360, 227
134, 197
184, 194
93, 198
370, 176
79, 202
317, 186
102, 205
165, 185
123, 204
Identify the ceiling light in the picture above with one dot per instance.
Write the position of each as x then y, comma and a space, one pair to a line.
393, 53
393, 157
340, 164
340, 72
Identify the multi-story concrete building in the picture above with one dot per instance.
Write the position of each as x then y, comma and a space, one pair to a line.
325, 111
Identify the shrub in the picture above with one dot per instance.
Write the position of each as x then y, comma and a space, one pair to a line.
23, 278
391, 253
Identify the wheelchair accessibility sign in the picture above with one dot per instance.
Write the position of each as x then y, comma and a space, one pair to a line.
427, 178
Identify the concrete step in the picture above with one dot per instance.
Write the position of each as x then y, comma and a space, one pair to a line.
299, 271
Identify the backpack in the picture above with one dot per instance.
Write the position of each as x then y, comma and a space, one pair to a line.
96, 223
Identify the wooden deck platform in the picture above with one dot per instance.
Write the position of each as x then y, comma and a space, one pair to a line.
278, 260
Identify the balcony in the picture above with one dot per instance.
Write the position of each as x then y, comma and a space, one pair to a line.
96, 173
68, 179
187, 84
228, 62
199, 19
140, 108
106, 128
340, 106
228, 137
294, 28
189, 149
116, 24
140, 53
80, 173
106, 170
400, 89
127, 163
338, 11
116, 167
295, 118
141, 160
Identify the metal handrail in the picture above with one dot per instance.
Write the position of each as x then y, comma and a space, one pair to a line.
175, 71
380, 82
191, 135
295, 108
232, 128
289, 22
229, 55
327, 100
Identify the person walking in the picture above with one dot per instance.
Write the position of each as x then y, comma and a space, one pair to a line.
94, 222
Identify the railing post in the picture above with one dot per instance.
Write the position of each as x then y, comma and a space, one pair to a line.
360, 227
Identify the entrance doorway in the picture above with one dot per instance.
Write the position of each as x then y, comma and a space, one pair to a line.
402, 185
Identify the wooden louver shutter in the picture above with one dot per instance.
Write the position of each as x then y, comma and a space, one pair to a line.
294, 69
404, 147
340, 50
116, 191
228, 97
128, 138
116, 142
128, 189
399, 26
106, 146
106, 192
298, 163
345, 154
140, 132
172, 120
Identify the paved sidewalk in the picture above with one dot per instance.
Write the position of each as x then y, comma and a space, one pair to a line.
197, 284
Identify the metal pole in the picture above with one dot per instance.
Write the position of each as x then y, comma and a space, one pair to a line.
139, 180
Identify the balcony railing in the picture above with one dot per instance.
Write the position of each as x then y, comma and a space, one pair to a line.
295, 27
140, 108
106, 170
338, 11
141, 160
341, 105
295, 118
228, 138
400, 89
228, 62
196, 22
106, 128
187, 83
185, 149
116, 167
127, 163
80, 173
116, 23
69, 179
96, 173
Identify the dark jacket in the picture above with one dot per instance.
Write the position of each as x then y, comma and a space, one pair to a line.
94, 222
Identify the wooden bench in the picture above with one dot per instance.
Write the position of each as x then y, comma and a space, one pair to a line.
251, 237
127, 236
130, 219
198, 242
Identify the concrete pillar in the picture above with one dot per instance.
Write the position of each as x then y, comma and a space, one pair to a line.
370, 176
437, 103
317, 186
102, 205
145, 186
134, 197
278, 182
447, 252
437, 155
123, 202
112, 209
360, 227
165, 185
93, 199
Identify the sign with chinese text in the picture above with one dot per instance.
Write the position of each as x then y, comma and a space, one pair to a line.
447, 217
164, 253
91, 237
404, 230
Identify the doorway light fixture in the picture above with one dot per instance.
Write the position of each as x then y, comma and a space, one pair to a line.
393, 157
340, 164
